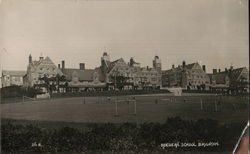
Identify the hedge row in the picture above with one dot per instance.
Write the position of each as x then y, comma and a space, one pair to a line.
18, 91
108, 93
126, 138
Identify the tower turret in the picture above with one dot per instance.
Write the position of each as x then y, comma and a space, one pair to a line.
105, 61
157, 63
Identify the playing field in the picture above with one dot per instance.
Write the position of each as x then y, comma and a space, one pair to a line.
148, 108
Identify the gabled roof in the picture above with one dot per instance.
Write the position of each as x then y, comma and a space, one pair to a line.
38, 62
83, 75
113, 63
180, 68
190, 66
13, 72
219, 78
233, 74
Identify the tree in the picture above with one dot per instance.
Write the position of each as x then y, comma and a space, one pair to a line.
119, 81
60, 81
44, 82
53, 83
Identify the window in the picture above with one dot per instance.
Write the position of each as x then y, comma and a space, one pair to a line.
153, 79
17, 79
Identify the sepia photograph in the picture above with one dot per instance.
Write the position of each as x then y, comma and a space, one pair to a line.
124, 76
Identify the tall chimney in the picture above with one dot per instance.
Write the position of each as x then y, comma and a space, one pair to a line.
59, 66
204, 68
183, 63
173, 66
63, 64
219, 70
30, 58
82, 66
214, 71
41, 57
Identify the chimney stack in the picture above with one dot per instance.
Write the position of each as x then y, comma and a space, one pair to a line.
41, 57
59, 66
173, 66
219, 70
82, 66
183, 63
30, 58
204, 68
214, 71
63, 64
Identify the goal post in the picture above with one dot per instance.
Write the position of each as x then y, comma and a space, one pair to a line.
125, 101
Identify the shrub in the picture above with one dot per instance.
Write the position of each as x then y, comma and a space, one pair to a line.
127, 138
18, 91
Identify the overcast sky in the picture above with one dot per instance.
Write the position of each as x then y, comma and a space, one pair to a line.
213, 32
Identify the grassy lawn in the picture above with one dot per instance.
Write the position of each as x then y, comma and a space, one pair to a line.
149, 108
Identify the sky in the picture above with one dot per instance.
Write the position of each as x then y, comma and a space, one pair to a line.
212, 32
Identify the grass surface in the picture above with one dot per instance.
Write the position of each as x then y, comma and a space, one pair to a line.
101, 110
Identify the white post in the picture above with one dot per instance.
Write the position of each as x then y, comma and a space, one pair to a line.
135, 107
201, 105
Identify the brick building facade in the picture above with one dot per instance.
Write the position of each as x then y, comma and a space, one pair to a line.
11, 78
37, 69
190, 76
